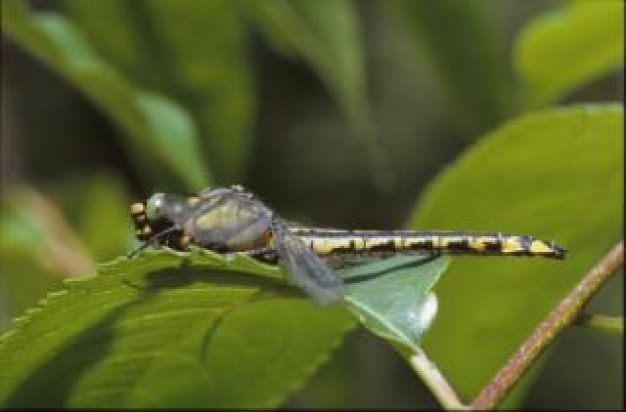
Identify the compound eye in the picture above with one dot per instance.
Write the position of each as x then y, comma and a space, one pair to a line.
155, 207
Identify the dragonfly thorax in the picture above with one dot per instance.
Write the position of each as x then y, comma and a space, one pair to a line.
229, 221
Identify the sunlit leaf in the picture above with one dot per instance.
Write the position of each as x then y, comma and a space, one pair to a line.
565, 49
168, 330
202, 317
556, 175
37, 249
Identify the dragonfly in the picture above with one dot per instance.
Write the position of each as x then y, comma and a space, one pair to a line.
232, 219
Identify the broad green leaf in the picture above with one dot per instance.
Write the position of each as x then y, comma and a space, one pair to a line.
22, 243
327, 36
192, 50
29, 283
168, 330
37, 249
153, 123
392, 297
461, 43
556, 174
565, 49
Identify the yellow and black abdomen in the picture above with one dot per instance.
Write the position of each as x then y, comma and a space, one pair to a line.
329, 242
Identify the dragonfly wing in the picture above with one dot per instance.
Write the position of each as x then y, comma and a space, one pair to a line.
305, 268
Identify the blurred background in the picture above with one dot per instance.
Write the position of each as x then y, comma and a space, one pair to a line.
335, 113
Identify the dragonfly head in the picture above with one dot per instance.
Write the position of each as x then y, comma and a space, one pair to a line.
155, 207
166, 208
161, 211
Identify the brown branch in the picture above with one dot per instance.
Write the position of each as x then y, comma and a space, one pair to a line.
561, 316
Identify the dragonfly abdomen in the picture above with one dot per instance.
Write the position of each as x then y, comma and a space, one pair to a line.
338, 242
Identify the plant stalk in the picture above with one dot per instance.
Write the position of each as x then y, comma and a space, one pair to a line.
435, 381
564, 314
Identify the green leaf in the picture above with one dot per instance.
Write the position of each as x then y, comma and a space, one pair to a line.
37, 249
393, 298
153, 123
19, 292
327, 36
461, 43
168, 330
557, 175
565, 49
192, 50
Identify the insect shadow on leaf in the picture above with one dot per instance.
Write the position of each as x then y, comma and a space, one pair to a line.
365, 276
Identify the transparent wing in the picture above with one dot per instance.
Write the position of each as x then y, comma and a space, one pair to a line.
305, 268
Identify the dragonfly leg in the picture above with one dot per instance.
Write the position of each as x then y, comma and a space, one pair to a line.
265, 253
150, 241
